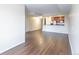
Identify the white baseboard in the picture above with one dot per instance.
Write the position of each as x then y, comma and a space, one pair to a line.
12, 47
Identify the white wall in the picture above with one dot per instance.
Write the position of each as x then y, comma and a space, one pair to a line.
74, 29
12, 26
57, 29
27, 25
33, 23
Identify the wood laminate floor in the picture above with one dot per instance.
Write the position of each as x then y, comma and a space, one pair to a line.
42, 43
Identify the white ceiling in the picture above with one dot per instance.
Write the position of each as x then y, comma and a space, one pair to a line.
49, 9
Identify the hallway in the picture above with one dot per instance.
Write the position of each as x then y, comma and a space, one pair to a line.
42, 43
